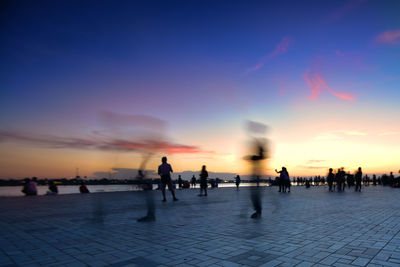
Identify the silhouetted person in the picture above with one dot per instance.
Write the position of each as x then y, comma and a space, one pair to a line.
53, 190
29, 188
193, 181
339, 179
180, 182
374, 179
330, 179
83, 189
358, 178
203, 181
391, 179
237, 180
284, 180
164, 170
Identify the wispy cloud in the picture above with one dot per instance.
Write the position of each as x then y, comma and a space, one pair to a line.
102, 144
281, 48
317, 84
391, 37
345, 9
338, 135
311, 161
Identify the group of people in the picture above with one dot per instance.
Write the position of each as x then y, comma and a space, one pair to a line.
30, 187
340, 178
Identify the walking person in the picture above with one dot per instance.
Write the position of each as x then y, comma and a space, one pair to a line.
358, 177
164, 170
203, 181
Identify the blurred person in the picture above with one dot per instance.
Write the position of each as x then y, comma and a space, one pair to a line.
147, 187
203, 181
180, 182
83, 189
30, 188
53, 190
164, 170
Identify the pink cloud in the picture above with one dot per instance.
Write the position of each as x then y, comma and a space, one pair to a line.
317, 84
281, 48
339, 53
389, 37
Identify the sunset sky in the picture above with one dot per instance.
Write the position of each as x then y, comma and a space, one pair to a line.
96, 84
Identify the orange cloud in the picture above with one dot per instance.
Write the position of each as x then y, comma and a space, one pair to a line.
103, 144
389, 37
317, 84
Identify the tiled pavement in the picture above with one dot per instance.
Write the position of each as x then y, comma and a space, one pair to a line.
308, 227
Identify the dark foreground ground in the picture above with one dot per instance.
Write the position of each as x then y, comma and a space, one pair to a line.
308, 227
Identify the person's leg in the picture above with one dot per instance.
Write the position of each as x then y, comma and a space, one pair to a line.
171, 188
205, 189
163, 186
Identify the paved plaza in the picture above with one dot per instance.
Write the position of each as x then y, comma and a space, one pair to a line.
308, 227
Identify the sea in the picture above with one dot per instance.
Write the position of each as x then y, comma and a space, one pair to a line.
15, 191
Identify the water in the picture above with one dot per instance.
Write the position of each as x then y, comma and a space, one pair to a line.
14, 191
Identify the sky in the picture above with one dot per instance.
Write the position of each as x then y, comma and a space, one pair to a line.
103, 85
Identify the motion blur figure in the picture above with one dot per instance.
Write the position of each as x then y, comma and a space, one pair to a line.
147, 187
258, 155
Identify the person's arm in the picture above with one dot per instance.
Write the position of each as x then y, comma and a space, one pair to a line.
159, 171
170, 168
277, 171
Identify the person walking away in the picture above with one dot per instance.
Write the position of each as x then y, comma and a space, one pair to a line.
203, 181
164, 170
237, 182
358, 177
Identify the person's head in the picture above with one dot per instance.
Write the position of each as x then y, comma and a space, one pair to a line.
164, 160
359, 169
179, 176
203, 168
330, 170
283, 168
34, 179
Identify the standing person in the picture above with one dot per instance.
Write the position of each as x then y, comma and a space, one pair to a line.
203, 181
358, 179
339, 180
193, 181
330, 178
164, 170
284, 180
237, 181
